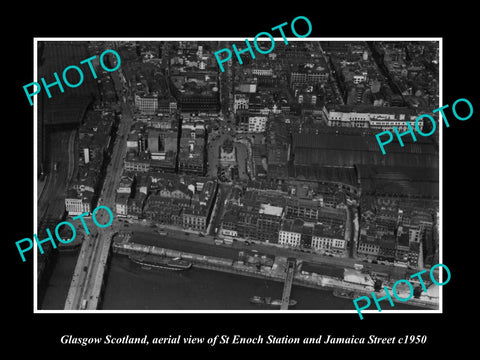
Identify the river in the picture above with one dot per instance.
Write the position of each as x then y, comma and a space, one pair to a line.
130, 287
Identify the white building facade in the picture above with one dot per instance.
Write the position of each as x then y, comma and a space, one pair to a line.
289, 238
76, 206
327, 243
377, 120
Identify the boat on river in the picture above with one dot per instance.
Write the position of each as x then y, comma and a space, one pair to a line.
345, 294
261, 300
160, 262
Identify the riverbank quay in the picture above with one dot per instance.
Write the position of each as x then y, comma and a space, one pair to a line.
276, 272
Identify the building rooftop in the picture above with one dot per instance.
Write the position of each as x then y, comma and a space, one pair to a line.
405, 180
293, 226
270, 210
338, 148
394, 110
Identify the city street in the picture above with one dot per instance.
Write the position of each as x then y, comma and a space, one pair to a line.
179, 240
216, 220
242, 159
85, 289
186, 243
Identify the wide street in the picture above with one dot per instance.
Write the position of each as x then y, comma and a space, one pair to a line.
146, 234
216, 220
85, 289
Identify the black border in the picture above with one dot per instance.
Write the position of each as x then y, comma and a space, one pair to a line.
455, 25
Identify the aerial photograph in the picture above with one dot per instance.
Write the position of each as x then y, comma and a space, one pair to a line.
178, 176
